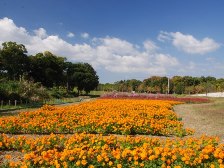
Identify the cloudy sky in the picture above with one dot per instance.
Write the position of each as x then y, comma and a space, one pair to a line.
122, 39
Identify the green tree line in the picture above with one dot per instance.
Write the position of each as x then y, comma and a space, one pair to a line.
40, 71
163, 85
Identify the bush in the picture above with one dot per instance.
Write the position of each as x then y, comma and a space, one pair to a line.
3, 94
14, 96
58, 92
24, 90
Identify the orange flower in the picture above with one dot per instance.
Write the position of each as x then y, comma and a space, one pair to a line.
84, 162
119, 166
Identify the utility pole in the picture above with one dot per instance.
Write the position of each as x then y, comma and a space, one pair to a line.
168, 85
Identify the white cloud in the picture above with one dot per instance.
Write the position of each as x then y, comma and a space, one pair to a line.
121, 56
189, 43
41, 33
116, 45
163, 36
166, 60
85, 35
110, 53
150, 46
70, 35
9, 31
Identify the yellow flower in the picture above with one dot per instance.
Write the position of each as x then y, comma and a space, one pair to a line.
99, 158
110, 163
71, 158
142, 165
8, 157
84, 162
119, 166
212, 166
152, 157
177, 166
78, 163
65, 165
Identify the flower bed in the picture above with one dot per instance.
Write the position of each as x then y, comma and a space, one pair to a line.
85, 150
142, 96
149, 117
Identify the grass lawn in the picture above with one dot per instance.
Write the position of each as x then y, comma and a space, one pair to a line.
7, 110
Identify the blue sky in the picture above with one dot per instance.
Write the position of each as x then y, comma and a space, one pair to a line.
122, 39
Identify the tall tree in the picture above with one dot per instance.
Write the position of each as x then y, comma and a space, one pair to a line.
156, 84
70, 69
178, 84
13, 60
83, 76
133, 84
47, 69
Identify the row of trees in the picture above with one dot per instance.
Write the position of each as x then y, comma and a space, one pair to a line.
46, 68
176, 84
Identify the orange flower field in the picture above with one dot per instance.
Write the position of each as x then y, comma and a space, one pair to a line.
105, 133
85, 150
149, 117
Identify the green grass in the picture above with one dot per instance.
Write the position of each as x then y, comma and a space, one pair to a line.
8, 110
62, 101
18, 107
96, 93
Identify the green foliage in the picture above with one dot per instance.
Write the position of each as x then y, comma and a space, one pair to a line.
23, 90
177, 85
45, 69
14, 61
61, 92
83, 76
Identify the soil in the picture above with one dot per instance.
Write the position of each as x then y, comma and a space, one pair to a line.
205, 119
15, 156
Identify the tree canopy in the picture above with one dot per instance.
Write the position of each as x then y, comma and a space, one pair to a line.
177, 85
45, 68
13, 60
83, 76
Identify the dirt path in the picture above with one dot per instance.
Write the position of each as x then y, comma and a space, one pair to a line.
205, 119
